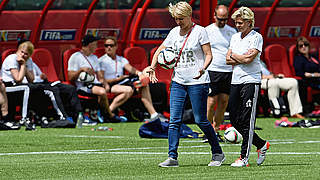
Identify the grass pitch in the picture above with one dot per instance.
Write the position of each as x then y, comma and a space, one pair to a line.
121, 154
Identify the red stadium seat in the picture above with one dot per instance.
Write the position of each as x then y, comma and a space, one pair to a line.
137, 57
43, 58
292, 50
277, 60
163, 75
100, 52
6, 53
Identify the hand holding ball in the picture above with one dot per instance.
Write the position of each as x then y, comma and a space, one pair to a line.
86, 77
167, 58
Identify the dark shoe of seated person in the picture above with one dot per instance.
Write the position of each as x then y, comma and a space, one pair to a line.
6, 124
30, 126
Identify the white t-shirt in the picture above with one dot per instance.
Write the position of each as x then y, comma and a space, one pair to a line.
192, 57
37, 72
78, 60
11, 63
112, 68
247, 73
219, 41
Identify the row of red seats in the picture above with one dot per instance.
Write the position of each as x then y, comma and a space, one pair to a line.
278, 62
136, 56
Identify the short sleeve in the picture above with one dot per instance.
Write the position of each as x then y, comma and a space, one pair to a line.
232, 41
257, 42
124, 61
73, 65
10, 63
203, 36
168, 42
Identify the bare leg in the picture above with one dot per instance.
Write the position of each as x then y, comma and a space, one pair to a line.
222, 103
211, 103
3, 100
103, 99
124, 93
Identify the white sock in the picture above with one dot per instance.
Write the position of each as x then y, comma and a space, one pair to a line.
153, 115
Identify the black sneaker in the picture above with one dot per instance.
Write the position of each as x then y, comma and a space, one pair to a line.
8, 126
29, 125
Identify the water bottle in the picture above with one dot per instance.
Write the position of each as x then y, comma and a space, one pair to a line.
80, 120
102, 128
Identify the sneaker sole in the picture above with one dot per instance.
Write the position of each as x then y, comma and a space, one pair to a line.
218, 164
247, 165
168, 166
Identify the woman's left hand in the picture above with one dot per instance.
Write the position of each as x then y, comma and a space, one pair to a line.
201, 72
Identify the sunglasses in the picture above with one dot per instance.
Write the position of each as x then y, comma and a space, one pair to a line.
304, 44
222, 19
109, 45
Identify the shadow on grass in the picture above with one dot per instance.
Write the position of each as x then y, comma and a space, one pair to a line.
253, 165
287, 164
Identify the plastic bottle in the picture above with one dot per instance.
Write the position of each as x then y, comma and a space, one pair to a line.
102, 128
80, 120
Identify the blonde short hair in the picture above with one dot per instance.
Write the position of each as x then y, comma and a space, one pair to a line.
28, 45
245, 13
180, 9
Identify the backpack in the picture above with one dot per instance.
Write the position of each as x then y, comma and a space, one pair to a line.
159, 129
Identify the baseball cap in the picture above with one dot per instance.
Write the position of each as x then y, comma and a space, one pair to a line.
87, 39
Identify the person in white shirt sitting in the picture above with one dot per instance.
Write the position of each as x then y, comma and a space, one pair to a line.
112, 67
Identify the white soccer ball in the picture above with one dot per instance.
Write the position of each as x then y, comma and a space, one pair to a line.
231, 135
86, 77
167, 58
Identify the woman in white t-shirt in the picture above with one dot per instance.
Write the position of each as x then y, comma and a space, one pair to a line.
190, 78
244, 55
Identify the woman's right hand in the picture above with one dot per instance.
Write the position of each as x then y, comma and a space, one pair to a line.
150, 72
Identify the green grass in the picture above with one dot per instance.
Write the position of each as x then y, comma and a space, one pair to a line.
122, 154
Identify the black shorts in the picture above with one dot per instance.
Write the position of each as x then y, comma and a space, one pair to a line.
220, 82
129, 81
87, 88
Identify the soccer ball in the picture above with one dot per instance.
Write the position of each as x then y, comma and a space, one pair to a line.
86, 77
167, 58
231, 135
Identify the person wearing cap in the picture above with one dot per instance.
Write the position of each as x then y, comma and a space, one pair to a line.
85, 61
112, 67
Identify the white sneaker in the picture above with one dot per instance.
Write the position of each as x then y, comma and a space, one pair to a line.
262, 153
217, 160
170, 162
240, 163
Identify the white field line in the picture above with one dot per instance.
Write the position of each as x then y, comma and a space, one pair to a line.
127, 150
92, 136
147, 153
